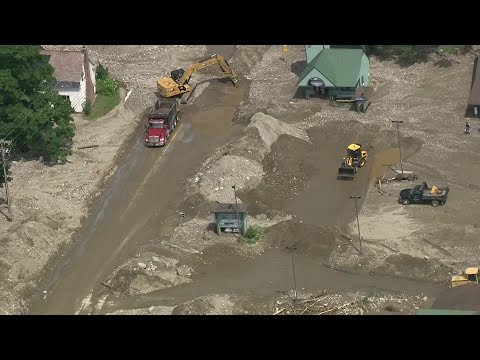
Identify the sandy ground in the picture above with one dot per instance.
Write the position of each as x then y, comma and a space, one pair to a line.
49, 203
284, 132
285, 165
276, 167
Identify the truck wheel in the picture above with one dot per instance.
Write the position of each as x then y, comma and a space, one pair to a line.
434, 203
406, 202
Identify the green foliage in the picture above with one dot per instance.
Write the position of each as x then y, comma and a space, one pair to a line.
32, 114
253, 234
101, 73
107, 86
451, 49
87, 107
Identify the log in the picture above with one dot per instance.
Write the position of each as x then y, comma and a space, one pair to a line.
106, 285
309, 306
279, 311
87, 147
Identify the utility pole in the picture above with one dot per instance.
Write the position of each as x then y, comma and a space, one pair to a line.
236, 206
292, 249
399, 147
4, 143
358, 223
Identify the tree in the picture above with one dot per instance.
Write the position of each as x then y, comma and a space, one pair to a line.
32, 114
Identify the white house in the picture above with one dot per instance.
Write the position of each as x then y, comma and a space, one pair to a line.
75, 75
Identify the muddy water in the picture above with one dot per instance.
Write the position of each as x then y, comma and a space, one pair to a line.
381, 161
268, 274
147, 184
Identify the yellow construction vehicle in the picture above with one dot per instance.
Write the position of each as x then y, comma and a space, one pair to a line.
356, 158
177, 82
469, 275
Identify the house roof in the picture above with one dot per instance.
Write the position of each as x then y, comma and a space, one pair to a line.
67, 65
340, 66
475, 90
228, 208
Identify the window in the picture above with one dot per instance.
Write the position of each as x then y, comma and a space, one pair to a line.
66, 97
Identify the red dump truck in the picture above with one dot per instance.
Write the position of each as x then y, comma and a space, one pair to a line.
162, 119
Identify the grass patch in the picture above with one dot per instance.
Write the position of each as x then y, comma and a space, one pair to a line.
103, 104
451, 49
253, 234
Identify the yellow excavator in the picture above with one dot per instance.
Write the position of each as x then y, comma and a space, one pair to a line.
469, 275
356, 158
177, 82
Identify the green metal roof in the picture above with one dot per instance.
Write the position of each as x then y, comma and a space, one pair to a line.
445, 312
340, 66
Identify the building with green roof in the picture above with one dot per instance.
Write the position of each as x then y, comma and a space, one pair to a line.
335, 71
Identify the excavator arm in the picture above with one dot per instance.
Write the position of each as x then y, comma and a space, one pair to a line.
211, 60
178, 82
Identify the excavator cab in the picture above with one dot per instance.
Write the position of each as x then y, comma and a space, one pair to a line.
356, 158
177, 74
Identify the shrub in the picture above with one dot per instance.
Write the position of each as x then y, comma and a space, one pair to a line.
253, 234
101, 73
107, 86
87, 107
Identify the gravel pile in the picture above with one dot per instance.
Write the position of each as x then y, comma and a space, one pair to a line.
216, 183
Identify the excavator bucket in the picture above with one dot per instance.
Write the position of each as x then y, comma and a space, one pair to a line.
346, 173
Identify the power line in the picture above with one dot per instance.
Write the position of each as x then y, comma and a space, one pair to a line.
19, 147
24, 110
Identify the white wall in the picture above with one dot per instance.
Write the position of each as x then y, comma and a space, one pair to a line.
92, 76
77, 98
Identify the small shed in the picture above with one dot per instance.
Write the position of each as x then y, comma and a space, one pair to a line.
334, 72
230, 218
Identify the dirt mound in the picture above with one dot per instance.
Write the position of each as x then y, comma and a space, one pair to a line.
309, 239
270, 129
287, 168
206, 305
246, 57
195, 206
148, 273
404, 265
216, 184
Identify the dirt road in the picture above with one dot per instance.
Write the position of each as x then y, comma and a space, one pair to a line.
268, 275
147, 183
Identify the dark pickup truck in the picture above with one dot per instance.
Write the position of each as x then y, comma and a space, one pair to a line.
422, 194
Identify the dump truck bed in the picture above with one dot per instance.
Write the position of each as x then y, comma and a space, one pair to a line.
164, 106
442, 192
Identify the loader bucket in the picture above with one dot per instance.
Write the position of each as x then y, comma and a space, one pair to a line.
345, 173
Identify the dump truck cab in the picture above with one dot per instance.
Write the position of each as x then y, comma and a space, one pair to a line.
162, 119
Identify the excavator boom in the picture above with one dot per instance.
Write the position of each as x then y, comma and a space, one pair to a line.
178, 82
